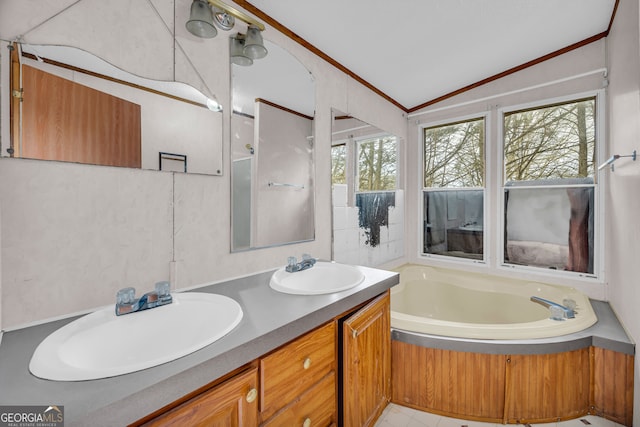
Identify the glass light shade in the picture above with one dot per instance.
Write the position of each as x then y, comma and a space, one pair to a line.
237, 53
200, 21
213, 105
253, 45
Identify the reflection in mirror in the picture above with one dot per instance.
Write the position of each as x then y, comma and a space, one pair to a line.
368, 207
78, 108
272, 148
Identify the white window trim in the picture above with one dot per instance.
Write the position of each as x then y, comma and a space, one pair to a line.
599, 220
443, 259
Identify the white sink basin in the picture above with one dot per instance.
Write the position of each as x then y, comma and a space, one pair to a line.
102, 345
322, 278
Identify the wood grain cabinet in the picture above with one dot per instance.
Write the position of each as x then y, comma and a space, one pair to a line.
298, 381
366, 361
232, 403
298, 384
514, 389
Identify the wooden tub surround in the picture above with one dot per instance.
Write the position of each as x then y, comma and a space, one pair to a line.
518, 382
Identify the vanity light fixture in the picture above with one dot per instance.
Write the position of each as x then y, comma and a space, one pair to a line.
206, 15
214, 105
200, 22
253, 45
236, 51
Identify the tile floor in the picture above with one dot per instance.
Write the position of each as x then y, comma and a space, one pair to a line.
399, 416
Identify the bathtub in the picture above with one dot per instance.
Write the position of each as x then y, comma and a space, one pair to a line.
477, 306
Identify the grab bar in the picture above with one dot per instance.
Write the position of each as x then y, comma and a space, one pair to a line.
280, 184
558, 311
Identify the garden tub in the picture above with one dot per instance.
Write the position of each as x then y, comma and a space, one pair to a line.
478, 306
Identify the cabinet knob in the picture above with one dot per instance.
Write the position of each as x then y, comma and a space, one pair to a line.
251, 396
306, 365
307, 422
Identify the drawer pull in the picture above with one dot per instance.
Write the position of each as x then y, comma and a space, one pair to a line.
306, 365
251, 396
307, 422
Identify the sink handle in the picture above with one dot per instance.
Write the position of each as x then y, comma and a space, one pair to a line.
126, 296
163, 288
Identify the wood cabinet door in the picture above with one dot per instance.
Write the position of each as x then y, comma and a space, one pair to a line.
289, 372
232, 403
366, 338
545, 388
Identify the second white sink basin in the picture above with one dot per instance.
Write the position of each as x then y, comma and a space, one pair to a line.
101, 344
322, 278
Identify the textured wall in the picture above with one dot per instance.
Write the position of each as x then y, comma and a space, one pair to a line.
623, 185
351, 242
72, 235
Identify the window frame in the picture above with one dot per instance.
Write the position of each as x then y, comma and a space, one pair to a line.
599, 211
486, 254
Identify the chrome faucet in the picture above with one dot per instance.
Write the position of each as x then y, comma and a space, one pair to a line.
293, 265
558, 311
126, 301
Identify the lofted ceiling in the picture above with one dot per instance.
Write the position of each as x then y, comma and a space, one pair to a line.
416, 51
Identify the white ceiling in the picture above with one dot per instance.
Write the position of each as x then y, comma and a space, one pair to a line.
417, 50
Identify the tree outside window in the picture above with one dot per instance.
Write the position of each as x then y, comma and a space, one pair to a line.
339, 164
549, 163
377, 164
453, 195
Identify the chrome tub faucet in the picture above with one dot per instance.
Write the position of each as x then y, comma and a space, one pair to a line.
126, 301
558, 311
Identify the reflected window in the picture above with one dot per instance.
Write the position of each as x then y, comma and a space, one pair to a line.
377, 163
549, 213
453, 193
339, 164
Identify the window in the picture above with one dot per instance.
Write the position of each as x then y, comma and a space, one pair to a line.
339, 164
377, 163
549, 165
453, 193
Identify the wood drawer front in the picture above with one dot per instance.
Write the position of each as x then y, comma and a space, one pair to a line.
288, 372
231, 403
317, 405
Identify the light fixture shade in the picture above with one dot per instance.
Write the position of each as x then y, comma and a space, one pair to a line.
236, 51
253, 45
200, 22
213, 104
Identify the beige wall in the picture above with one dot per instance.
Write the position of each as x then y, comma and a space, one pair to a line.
623, 186
72, 235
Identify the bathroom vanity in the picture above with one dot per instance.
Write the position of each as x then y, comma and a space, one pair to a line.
286, 363
298, 384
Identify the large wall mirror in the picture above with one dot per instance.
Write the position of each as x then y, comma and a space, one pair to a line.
78, 108
367, 199
272, 152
